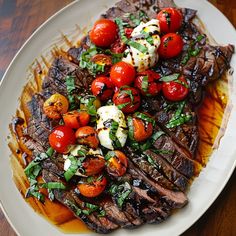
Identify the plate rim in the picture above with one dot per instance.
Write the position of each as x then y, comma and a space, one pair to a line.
44, 24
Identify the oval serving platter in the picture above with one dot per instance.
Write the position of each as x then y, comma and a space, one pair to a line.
213, 178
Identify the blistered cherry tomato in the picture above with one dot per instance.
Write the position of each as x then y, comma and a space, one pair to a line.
92, 186
170, 20
141, 128
171, 45
61, 138
104, 33
127, 99
116, 163
102, 88
176, 90
76, 119
148, 83
87, 135
122, 73
55, 106
118, 46
93, 165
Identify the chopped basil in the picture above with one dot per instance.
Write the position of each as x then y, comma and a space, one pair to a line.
116, 57
137, 46
148, 37
50, 152
131, 127
112, 134
70, 86
121, 106
145, 118
179, 121
150, 160
34, 191
137, 20
145, 83
169, 78
178, 112
120, 193
109, 155
162, 151
88, 101
53, 185
85, 61
128, 92
72, 168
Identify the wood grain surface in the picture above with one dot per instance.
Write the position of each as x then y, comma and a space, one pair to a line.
20, 18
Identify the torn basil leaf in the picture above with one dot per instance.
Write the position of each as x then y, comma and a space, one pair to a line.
170, 78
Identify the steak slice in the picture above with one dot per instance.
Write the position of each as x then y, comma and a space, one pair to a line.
175, 199
174, 176
68, 196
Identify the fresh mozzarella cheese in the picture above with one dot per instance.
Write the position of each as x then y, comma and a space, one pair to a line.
140, 34
106, 115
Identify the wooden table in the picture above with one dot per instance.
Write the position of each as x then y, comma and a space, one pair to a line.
19, 18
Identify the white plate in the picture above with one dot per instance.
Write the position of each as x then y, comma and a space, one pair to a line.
212, 179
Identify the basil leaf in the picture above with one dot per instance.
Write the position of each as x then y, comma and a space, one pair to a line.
179, 110
109, 155
88, 101
138, 46
70, 84
34, 191
145, 83
121, 106
53, 185
145, 118
131, 127
179, 121
112, 134
150, 160
128, 92
50, 152
162, 151
73, 207
169, 78
72, 169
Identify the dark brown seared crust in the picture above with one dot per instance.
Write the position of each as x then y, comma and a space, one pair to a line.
156, 189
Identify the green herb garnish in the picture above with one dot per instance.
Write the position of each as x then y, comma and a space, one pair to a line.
169, 78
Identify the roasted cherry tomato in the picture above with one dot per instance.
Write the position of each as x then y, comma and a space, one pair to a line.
92, 186
140, 126
148, 83
127, 99
122, 73
61, 138
102, 59
55, 106
104, 33
118, 46
171, 45
116, 163
128, 32
76, 119
88, 136
102, 88
175, 90
93, 165
170, 20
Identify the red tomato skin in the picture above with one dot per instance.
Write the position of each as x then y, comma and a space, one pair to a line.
141, 131
118, 46
175, 91
120, 98
122, 74
75, 119
154, 87
102, 88
175, 20
171, 45
128, 32
61, 138
104, 33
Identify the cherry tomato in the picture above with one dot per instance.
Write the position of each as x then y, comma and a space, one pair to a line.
102, 88
122, 73
171, 45
55, 106
118, 46
104, 33
93, 165
92, 186
76, 119
102, 59
128, 32
88, 136
127, 99
175, 90
116, 163
170, 20
61, 138
148, 83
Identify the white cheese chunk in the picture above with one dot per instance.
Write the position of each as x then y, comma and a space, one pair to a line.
143, 61
106, 114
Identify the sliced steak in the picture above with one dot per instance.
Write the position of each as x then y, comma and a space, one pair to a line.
174, 199
66, 197
173, 175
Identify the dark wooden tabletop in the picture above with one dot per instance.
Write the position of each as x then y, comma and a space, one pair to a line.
20, 18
